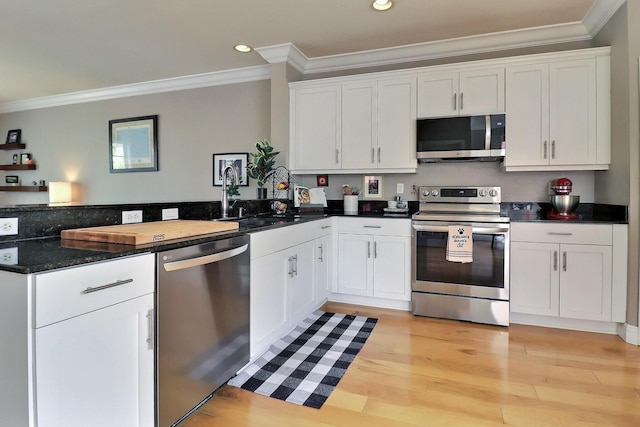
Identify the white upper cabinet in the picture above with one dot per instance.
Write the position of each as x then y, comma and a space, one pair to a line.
558, 114
461, 93
358, 125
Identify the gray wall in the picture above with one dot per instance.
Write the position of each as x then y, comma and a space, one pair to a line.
71, 143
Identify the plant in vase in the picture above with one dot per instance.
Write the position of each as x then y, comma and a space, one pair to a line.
260, 166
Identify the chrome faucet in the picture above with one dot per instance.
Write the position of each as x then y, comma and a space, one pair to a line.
225, 196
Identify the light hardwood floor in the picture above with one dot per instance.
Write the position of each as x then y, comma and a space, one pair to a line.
416, 371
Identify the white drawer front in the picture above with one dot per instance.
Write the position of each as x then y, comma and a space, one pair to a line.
377, 226
70, 292
584, 234
269, 241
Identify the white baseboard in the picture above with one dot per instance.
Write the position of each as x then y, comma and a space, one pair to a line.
629, 333
371, 301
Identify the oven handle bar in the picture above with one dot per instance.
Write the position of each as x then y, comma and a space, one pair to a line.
445, 229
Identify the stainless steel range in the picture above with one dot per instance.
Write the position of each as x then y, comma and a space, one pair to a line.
460, 259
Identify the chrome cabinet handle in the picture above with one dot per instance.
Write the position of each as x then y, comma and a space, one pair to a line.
455, 101
290, 272
372, 226
150, 328
555, 233
545, 150
295, 264
555, 260
553, 149
564, 261
324, 227
337, 156
461, 101
375, 249
373, 155
107, 286
321, 257
379, 154
368, 249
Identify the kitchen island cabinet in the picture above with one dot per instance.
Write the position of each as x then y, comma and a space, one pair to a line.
288, 282
82, 345
562, 274
374, 261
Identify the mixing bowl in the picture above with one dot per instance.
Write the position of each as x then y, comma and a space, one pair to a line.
565, 204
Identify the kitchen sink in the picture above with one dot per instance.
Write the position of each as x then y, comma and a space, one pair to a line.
250, 222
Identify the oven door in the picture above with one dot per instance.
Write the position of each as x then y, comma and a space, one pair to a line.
486, 277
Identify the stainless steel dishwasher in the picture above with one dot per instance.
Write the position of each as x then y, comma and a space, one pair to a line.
202, 323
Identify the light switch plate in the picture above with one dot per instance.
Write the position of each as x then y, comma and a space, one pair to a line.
170, 213
399, 188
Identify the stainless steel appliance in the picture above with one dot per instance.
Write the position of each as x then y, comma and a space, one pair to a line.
476, 291
202, 323
461, 138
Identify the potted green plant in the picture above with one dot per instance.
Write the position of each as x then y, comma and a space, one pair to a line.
260, 166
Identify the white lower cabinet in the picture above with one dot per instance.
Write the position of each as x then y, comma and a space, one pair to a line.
374, 258
290, 277
569, 271
82, 345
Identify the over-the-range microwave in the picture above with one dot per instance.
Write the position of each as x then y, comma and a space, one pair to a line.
461, 138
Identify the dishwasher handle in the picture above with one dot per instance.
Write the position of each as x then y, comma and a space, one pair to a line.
206, 259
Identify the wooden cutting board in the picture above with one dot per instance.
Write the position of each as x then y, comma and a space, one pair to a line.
148, 232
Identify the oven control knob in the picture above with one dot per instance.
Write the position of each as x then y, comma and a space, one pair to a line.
435, 193
425, 193
493, 193
483, 193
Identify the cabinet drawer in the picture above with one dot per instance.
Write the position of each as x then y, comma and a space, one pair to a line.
70, 292
269, 241
586, 234
375, 226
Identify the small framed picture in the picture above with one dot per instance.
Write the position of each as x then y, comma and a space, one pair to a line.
322, 180
372, 187
25, 159
133, 144
13, 136
237, 161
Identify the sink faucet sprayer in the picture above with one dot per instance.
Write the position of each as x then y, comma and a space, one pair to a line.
225, 196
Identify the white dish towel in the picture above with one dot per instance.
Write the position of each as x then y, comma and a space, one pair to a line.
460, 244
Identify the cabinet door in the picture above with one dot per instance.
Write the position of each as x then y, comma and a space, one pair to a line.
481, 92
572, 109
527, 109
97, 368
585, 282
391, 267
355, 264
322, 269
316, 128
438, 95
396, 146
269, 318
300, 287
359, 126
534, 281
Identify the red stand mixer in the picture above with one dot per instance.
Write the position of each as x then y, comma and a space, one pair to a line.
562, 202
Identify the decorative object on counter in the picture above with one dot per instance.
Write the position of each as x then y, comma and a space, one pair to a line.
281, 184
13, 136
562, 202
322, 180
238, 161
373, 187
290, 355
133, 144
60, 192
260, 166
301, 196
279, 207
15, 159
350, 199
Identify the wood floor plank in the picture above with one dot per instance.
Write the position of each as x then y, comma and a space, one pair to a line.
417, 371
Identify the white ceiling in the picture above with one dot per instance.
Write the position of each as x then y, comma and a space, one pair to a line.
58, 47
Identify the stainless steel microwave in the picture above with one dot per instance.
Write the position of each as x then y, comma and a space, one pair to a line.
461, 138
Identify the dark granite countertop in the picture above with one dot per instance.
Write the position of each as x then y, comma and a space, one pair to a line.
587, 213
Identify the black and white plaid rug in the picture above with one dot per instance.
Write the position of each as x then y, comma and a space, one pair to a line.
305, 366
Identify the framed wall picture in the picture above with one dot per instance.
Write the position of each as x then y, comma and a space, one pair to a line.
13, 136
25, 159
133, 144
372, 187
237, 161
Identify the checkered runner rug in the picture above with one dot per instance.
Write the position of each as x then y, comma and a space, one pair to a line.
305, 366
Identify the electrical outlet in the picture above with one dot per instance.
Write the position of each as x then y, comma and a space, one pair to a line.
9, 256
399, 188
8, 226
130, 217
171, 213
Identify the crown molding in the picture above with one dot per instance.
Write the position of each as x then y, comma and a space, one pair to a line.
286, 52
240, 75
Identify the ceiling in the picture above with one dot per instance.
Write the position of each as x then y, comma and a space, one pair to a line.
55, 47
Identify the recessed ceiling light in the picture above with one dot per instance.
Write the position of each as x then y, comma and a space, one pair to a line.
242, 48
382, 4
